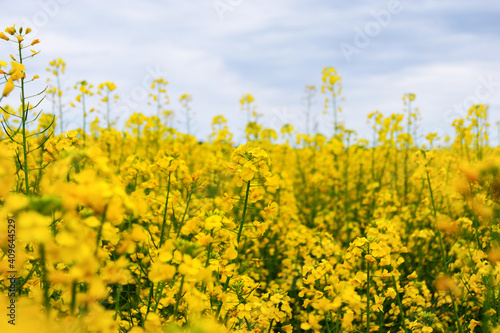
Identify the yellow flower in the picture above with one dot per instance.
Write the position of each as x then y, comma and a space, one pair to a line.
228, 202
34, 227
161, 272
17, 71
390, 293
116, 271
347, 319
109, 85
447, 284
11, 30
472, 325
71, 134
231, 253
312, 323
9, 86
271, 209
248, 171
272, 183
213, 222
7, 172
256, 194
204, 239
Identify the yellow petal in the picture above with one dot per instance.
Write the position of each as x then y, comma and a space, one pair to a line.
9, 86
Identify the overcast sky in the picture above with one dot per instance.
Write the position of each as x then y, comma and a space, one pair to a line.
446, 52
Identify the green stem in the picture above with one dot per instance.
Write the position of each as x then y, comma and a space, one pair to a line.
24, 120
45, 281
443, 253
99, 232
441, 245
84, 118
224, 288
406, 153
207, 262
185, 212
159, 291
400, 305
165, 213
117, 304
187, 121
73, 297
59, 91
108, 108
270, 326
335, 124
30, 273
240, 231
367, 296
179, 296
151, 294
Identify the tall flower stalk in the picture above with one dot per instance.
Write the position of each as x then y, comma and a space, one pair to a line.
106, 89
185, 100
332, 87
85, 90
17, 75
57, 67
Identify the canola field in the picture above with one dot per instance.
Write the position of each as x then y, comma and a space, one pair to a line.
148, 230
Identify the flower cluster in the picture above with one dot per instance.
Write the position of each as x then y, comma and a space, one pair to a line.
146, 229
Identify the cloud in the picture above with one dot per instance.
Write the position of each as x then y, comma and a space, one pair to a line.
438, 50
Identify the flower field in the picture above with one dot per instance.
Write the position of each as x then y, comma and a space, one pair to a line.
147, 229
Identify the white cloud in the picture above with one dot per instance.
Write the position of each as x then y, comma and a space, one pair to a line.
272, 50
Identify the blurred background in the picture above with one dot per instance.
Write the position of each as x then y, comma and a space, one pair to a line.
445, 52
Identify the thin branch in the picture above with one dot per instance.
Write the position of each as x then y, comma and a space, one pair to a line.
45, 140
41, 92
36, 117
12, 114
19, 160
6, 132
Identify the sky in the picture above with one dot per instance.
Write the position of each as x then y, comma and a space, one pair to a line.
445, 52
